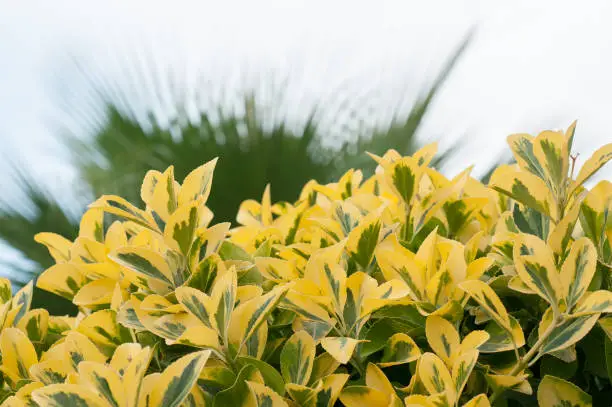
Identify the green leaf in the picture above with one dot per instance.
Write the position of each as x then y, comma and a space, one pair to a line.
239, 393
608, 350
270, 375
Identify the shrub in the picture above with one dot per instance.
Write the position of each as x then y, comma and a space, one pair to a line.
407, 288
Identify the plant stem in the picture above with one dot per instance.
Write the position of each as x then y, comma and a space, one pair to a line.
524, 362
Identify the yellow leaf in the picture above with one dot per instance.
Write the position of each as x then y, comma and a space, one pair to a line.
145, 263
435, 376
462, 368
425, 154
122, 208
247, 292
606, 325
58, 246
103, 381
400, 349
403, 176
124, 355
535, 265
25, 392
552, 154
592, 165
517, 383
18, 354
341, 348
134, 374
358, 396
560, 236
265, 396
297, 358
102, 329
276, 269
200, 336
79, 348
479, 401
116, 236
163, 200
92, 225
22, 300
554, 392
442, 337
223, 298
95, 293
478, 267
49, 371
176, 381
578, 270
376, 379
149, 384
62, 395
199, 304
395, 261
248, 316
197, 183
484, 295
419, 400
181, 226
383, 295
594, 302
362, 240
35, 324
525, 188
473, 340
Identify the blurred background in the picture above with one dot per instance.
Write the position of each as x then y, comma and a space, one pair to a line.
94, 95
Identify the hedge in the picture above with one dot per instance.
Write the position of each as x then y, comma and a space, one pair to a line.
406, 288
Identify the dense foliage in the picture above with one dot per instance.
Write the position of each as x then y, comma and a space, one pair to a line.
403, 289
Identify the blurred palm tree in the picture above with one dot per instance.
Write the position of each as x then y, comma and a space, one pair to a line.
253, 152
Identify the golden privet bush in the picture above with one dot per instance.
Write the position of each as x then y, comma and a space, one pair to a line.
403, 289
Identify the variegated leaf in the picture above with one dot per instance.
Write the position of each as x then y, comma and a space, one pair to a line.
566, 333
264, 396
578, 270
176, 381
62, 395
523, 187
400, 349
18, 354
248, 316
435, 376
484, 295
103, 381
341, 348
197, 183
554, 392
180, 229
297, 358
442, 337
592, 165
535, 265
58, 246
122, 208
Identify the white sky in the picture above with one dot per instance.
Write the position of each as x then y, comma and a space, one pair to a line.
530, 67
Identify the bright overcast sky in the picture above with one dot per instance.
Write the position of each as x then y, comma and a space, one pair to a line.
531, 66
